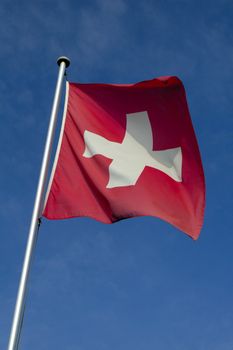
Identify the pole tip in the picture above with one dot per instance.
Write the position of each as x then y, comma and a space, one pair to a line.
63, 59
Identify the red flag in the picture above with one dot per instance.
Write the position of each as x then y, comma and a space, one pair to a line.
125, 151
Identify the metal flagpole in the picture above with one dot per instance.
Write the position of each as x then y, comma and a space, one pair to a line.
63, 63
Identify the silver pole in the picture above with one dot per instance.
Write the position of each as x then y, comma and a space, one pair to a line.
63, 62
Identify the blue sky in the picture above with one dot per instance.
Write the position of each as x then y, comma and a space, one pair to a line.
140, 283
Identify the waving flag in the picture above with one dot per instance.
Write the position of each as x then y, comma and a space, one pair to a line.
127, 151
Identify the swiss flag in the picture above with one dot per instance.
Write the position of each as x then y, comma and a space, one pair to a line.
126, 151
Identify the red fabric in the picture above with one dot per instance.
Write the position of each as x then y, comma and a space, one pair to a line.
79, 184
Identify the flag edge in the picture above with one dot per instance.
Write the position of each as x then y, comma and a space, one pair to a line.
58, 147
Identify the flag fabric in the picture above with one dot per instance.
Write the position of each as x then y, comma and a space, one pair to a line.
126, 151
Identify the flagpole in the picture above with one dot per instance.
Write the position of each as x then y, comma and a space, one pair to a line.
63, 63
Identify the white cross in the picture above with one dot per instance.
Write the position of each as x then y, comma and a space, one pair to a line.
130, 157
